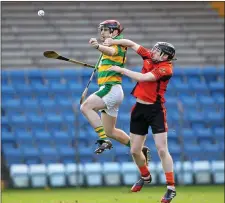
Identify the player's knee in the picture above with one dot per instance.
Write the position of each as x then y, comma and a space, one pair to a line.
162, 152
84, 107
135, 151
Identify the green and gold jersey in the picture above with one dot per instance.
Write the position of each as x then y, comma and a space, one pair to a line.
119, 59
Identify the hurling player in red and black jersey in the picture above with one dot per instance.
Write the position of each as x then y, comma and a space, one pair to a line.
149, 109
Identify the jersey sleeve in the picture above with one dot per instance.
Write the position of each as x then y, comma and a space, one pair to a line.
144, 53
162, 72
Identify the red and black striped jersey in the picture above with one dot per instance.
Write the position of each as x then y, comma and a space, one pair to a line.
153, 91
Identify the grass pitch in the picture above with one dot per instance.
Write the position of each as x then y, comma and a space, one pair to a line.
152, 194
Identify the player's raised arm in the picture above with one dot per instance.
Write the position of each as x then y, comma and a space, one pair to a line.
110, 51
135, 75
122, 42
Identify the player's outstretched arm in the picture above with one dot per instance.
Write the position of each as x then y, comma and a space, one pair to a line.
134, 75
122, 42
110, 51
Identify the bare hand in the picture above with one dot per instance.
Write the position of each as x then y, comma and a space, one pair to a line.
94, 43
108, 42
116, 69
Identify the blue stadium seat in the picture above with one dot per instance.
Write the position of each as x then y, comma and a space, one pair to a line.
48, 105
54, 121
49, 155
192, 74
210, 73
36, 122
61, 139
200, 88
17, 77
107, 156
192, 152
13, 156
35, 76
31, 155
211, 152
93, 87
4, 77
183, 89
195, 117
19, 122
173, 136
122, 154
41, 90
65, 105
31, 106
203, 134
59, 90
175, 151
189, 136
189, 101
215, 119
24, 91
8, 138
219, 100
69, 121
7, 92
86, 155
11, 105
219, 135
24, 139
43, 139
76, 89
207, 102
73, 75
52, 75
216, 87
67, 154
171, 102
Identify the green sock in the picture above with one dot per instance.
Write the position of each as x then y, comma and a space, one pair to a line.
101, 132
128, 144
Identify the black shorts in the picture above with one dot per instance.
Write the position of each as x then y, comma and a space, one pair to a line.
143, 116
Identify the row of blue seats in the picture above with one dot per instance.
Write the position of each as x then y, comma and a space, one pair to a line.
55, 73
75, 86
66, 101
49, 139
66, 154
53, 118
81, 77
61, 137
61, 105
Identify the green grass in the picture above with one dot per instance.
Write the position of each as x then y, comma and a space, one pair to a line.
152, 194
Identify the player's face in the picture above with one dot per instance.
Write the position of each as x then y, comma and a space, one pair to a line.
157, 55
104, 33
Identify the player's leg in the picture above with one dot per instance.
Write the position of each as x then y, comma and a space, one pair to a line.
109, 123
137, 143
159, 130
139, 129
167, 164
89, 109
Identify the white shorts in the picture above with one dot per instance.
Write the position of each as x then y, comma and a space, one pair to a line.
113, 96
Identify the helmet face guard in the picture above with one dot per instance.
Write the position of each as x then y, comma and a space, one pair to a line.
165, 48
110, 25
